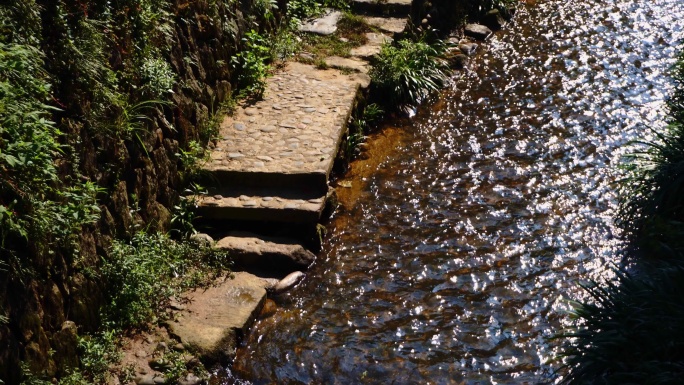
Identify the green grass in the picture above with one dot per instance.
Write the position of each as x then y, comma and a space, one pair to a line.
632, 329
351, 33
407, 71
631, 333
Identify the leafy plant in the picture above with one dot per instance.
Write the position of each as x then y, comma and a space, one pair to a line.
407, 71
252, 64
652, 196
144, 273
631, 332
157, 76
184, 212
97, 353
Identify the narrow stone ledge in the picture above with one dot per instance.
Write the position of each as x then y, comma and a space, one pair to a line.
271, 253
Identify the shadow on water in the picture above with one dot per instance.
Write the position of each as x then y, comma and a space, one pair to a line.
452, 260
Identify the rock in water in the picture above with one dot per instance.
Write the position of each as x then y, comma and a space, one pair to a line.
494, 20
477, 31
467, 48
289, 282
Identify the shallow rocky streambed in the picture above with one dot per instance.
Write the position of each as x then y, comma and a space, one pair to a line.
455, 261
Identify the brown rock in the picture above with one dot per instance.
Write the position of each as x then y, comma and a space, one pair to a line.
477, 31
218, 317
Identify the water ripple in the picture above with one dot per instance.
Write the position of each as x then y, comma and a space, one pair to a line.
457, 264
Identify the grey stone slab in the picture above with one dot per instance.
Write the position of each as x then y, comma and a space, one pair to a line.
324, 25
322, 101
387, 24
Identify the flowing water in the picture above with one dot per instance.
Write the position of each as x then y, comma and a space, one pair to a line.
455, 261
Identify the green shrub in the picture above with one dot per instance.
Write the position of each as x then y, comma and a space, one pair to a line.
408, 71
631, 333
252, 64
143, 274
652, 196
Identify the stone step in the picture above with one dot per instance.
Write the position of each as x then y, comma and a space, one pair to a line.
303, 206
387, 24
291, 136
325, 24
254, 251
398, 8
216, 319
372, 48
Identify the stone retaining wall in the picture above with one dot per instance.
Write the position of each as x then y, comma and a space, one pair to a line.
203, 41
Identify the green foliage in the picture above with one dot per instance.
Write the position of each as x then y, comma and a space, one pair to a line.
631, 333
183, 214
652, 196
361, 124
143, 274
97, 353
157, 76
304, 9
407, 71
252, 64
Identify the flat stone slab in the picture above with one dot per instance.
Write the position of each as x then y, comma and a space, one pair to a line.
292, 135
324, 25
270, 253
387, 24
372, 48
216, 319
348, 63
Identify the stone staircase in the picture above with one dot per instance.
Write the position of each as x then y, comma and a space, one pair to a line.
269, 172
274, 158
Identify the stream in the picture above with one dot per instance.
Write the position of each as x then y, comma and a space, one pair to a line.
454, 260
